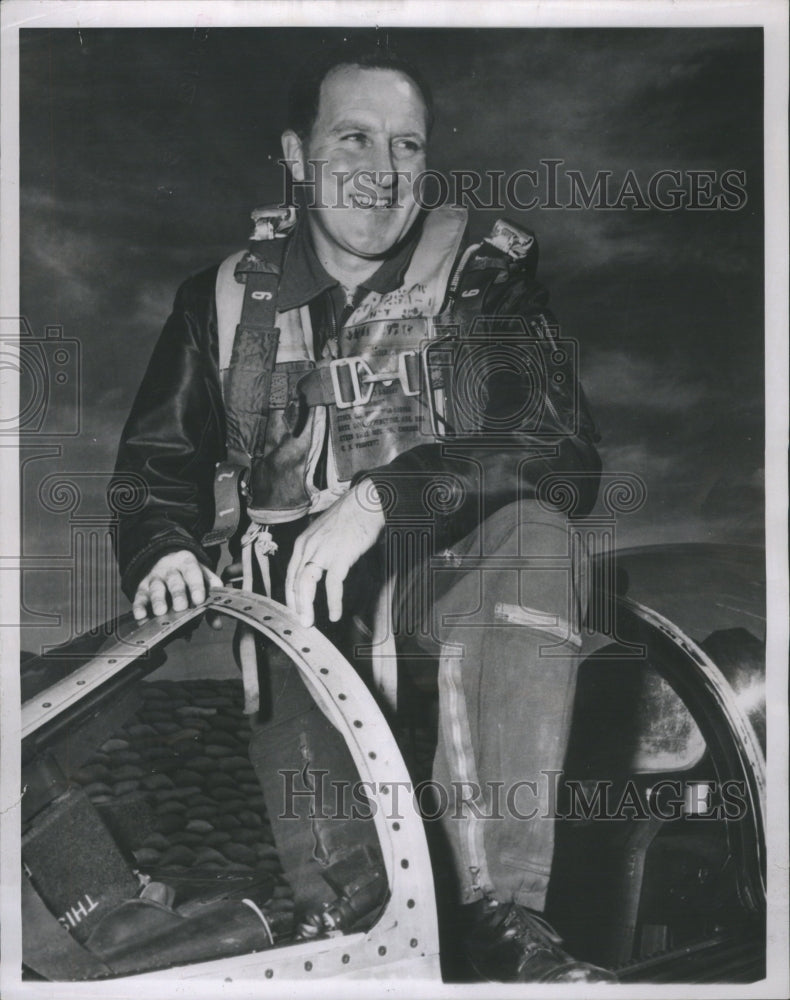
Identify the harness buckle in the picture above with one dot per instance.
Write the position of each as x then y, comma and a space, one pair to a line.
346, 383
409, 373
353, 379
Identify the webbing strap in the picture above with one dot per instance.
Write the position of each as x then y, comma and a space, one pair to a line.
478, 274
247, 393
481, 266
286, 380
254, 354
230, 482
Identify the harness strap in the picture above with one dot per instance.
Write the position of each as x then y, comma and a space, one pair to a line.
316, 386
249, 393
248, 389
254, 354
345, 382
482, 265
286, 379
480, 271
230, 486
489, 263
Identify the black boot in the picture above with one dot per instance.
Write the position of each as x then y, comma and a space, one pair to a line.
509, 943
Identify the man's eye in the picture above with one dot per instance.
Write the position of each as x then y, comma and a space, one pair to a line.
408, 146
358, 138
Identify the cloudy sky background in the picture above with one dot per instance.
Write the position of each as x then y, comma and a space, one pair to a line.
142, 152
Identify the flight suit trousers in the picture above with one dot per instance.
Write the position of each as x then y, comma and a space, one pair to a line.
508, 614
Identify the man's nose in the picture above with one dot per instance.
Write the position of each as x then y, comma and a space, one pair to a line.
383, 167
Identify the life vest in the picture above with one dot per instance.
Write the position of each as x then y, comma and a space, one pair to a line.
372, 396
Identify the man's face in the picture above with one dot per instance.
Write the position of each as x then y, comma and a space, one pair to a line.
370, 133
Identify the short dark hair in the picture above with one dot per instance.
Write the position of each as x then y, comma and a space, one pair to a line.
305, 91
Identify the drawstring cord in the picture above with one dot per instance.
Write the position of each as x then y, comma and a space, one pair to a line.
257, 539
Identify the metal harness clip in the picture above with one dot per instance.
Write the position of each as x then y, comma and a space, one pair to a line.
272, 221
353, 379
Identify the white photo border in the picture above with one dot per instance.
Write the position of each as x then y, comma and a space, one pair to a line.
773, 16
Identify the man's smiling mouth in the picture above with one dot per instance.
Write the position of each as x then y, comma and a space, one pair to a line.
368, 202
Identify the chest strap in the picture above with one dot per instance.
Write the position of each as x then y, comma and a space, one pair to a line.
348, 382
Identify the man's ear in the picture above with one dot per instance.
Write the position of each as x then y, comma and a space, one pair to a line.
293, 153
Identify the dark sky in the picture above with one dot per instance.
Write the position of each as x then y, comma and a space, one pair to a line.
142, 152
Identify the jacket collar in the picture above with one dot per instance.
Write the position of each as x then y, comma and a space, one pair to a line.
304, 277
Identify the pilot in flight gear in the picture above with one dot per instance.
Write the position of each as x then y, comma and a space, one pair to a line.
440, 381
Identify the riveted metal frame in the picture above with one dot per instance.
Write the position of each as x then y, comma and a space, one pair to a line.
729, 735
406, 934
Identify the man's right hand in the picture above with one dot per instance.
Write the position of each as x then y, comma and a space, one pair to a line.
179, 575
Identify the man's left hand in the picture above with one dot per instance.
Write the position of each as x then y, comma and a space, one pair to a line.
332, 544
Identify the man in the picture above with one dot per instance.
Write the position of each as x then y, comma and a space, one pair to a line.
334, 468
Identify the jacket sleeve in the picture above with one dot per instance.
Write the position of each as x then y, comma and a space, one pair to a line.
474, 475
172, 440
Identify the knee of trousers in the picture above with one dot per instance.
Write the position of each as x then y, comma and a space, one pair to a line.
522, 529
523, 565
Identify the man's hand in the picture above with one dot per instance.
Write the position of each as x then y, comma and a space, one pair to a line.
332, 544
178, 574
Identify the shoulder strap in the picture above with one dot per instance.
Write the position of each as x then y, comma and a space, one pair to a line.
507, 250
507, 247
247, 359
248, 383
271, 223
229, 295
